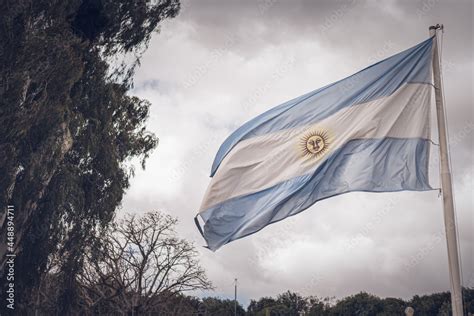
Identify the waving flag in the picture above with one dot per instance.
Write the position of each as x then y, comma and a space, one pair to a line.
367, 132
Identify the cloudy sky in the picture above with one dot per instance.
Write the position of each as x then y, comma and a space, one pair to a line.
220, 63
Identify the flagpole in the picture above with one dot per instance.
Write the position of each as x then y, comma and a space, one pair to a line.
446, 184
235, 298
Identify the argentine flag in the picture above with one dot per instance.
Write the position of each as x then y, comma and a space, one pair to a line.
368, 132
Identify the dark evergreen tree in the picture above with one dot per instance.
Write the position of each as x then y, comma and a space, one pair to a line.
68, 128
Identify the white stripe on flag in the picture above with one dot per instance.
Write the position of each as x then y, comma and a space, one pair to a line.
260, 162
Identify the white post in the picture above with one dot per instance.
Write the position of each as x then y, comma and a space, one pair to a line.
235, 298
446, 184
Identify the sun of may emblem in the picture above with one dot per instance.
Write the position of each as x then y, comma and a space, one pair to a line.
315, 143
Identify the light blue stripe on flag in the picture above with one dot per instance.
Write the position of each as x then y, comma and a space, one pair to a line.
374, 165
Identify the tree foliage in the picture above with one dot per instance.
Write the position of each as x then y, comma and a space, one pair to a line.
218, 306
361, 304
68, 127
288, 303
141, 267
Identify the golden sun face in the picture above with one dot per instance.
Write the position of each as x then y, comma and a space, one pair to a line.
314, 143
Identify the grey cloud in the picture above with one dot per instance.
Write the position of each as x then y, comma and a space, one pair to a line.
220, 63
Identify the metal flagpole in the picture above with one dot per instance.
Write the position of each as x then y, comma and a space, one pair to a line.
446, 184
235, 298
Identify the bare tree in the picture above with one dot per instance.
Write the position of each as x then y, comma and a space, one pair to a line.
140, 266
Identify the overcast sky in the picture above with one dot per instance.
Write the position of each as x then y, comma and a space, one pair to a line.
220, 63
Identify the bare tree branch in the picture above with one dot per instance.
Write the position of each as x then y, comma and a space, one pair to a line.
140, 265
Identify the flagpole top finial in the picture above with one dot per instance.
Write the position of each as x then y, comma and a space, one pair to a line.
436, 27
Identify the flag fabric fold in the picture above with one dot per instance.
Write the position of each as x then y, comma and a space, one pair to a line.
367, 132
